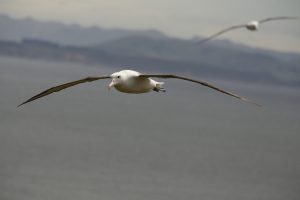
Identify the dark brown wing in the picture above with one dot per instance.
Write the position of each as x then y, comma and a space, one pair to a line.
63, 86
199, 82
221, 32
276, 18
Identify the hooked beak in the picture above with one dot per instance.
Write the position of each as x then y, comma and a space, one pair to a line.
112, 84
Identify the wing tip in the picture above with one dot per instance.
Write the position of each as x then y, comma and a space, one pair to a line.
25, 102
22, 104
251, 102
256, 104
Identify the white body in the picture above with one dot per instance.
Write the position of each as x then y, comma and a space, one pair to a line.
252, 26
128, 81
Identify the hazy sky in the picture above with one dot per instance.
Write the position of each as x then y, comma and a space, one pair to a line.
180, 18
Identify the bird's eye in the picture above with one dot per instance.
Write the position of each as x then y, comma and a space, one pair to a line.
118, 76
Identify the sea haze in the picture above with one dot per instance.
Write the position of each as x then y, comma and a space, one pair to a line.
188, 143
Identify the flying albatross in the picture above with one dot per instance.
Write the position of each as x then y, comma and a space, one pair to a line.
129, 81
252, 26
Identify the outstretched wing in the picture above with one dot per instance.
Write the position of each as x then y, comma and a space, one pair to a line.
199, 82
221, 32
277, 18
62, 87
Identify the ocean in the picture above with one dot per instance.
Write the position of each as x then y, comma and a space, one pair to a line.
189, 143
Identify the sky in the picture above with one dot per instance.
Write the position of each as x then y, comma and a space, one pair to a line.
177, 18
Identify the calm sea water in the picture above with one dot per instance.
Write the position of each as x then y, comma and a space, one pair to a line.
187, 143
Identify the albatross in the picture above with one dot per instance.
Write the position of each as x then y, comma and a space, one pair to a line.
133, 82
252, 26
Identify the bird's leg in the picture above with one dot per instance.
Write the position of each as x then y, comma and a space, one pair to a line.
159, 89
162, 89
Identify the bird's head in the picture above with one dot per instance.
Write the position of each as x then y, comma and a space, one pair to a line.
252, 26
122, 77
117, 79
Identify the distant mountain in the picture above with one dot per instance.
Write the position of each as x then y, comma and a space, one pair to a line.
221, 55
16, 29
148, 55
147, 51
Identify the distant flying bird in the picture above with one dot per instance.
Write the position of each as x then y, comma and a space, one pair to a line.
252, 26
129, 81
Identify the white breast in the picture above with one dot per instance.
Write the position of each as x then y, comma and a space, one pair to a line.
136, 85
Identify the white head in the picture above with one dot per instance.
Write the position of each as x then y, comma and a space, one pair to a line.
120, 77
253, 25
